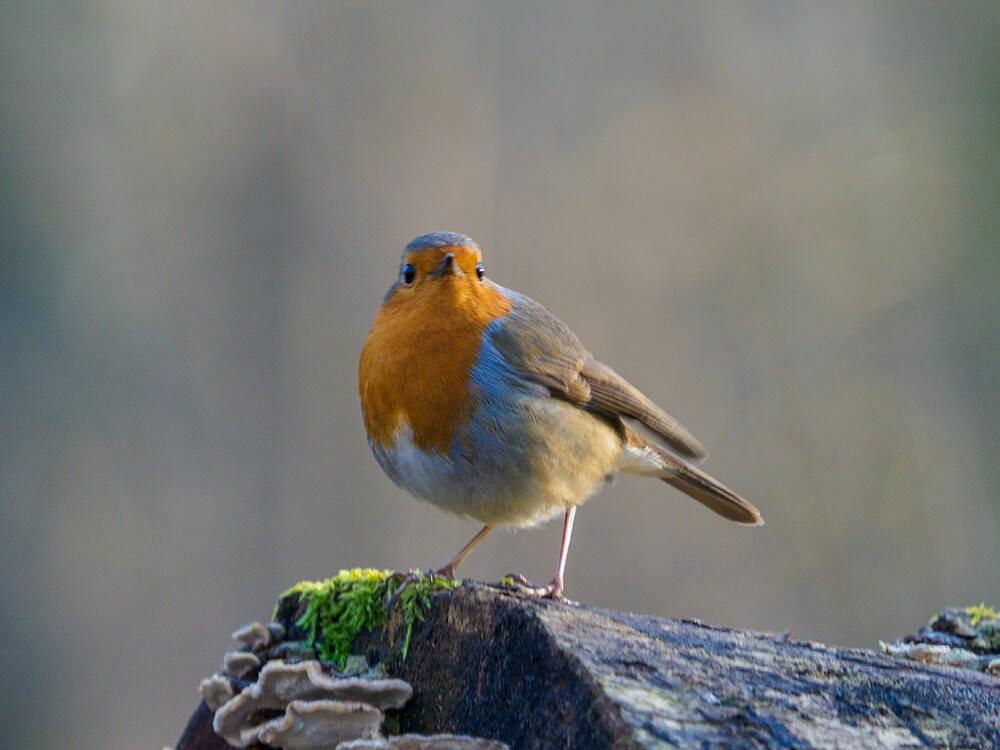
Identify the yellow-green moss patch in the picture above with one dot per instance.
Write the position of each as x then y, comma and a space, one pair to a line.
981, 612
337, 609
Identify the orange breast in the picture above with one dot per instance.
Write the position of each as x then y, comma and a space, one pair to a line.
416, 362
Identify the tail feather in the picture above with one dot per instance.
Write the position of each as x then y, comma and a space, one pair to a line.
715, 495
698, 485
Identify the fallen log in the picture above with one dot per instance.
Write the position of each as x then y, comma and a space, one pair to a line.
489, 662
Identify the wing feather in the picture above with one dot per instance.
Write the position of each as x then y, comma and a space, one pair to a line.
543, 350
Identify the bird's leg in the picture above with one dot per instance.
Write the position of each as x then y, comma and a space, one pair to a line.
447, 570
555, 588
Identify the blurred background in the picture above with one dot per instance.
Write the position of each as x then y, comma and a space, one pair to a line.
778, 219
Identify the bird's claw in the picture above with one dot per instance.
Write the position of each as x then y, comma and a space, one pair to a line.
553, 591
412, 577
408, 578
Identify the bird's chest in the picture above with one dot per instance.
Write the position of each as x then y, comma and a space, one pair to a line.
415, 380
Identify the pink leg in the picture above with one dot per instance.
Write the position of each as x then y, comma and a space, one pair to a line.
448, 569
555, 588
564, 549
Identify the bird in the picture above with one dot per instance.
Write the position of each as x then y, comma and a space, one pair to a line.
479, 400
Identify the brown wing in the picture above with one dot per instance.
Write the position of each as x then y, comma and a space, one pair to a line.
543, 350
610, 393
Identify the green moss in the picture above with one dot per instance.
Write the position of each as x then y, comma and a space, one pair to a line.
986, 623
981, 612
337, 609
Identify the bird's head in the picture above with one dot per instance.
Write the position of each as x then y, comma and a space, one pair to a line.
440, 269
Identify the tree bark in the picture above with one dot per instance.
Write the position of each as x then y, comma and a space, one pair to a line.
541, 674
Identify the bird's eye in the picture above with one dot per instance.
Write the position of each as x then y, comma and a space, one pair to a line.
408, 273
480, 271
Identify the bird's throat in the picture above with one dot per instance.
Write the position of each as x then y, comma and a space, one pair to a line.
416, 363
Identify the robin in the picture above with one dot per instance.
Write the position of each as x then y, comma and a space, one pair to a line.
481, 401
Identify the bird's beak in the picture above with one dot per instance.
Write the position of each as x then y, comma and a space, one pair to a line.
448, 267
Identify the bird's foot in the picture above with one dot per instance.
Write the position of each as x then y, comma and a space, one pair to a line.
448, 571
553, 591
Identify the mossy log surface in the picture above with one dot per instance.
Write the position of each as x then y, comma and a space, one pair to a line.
541, 674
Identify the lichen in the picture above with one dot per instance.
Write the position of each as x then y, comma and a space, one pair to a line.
981, 612
337, 609
986, 623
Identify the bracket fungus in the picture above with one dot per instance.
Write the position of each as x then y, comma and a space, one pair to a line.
276, 693
309, 725
241, 664
316, 704
308, 680
216, 690
259, 636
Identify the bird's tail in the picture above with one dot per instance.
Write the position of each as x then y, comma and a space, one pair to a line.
693, 482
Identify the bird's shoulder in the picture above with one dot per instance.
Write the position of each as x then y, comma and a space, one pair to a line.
542, 350
539, 347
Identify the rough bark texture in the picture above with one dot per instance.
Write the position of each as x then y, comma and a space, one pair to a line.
538, 674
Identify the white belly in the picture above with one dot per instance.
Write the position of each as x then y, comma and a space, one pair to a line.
520, 467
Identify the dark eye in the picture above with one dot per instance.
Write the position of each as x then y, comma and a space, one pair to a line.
480, 271
408, 273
